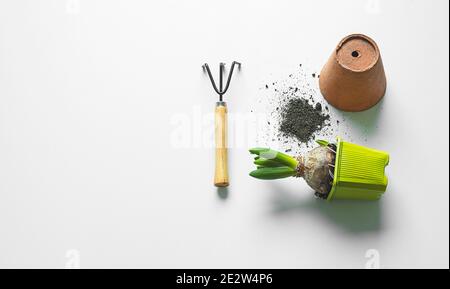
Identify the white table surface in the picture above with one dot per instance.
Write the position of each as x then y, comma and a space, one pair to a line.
92, 174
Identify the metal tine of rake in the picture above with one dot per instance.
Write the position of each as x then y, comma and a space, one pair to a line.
221, 91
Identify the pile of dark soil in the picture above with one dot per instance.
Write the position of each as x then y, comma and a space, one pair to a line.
302, 119
298, 114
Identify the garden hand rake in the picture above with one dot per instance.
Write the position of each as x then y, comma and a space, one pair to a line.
221, 155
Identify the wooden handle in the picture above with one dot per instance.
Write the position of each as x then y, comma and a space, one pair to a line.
221, 172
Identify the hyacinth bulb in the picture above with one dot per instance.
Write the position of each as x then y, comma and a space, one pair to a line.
316, 166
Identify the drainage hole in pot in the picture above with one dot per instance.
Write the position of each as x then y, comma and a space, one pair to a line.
355, 53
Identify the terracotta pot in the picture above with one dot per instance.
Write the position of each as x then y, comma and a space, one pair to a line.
353, 79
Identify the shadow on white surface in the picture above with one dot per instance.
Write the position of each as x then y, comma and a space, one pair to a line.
352, 216
365, 121
222, 193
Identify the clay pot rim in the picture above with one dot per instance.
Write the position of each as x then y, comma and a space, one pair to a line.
365, 37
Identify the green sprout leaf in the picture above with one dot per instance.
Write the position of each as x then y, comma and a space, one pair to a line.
257, 151
281, 158
267, 163
273, 173
322, 142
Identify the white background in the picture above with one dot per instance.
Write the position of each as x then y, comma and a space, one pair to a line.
91, 177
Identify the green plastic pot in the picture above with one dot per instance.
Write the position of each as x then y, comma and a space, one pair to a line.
358, 173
